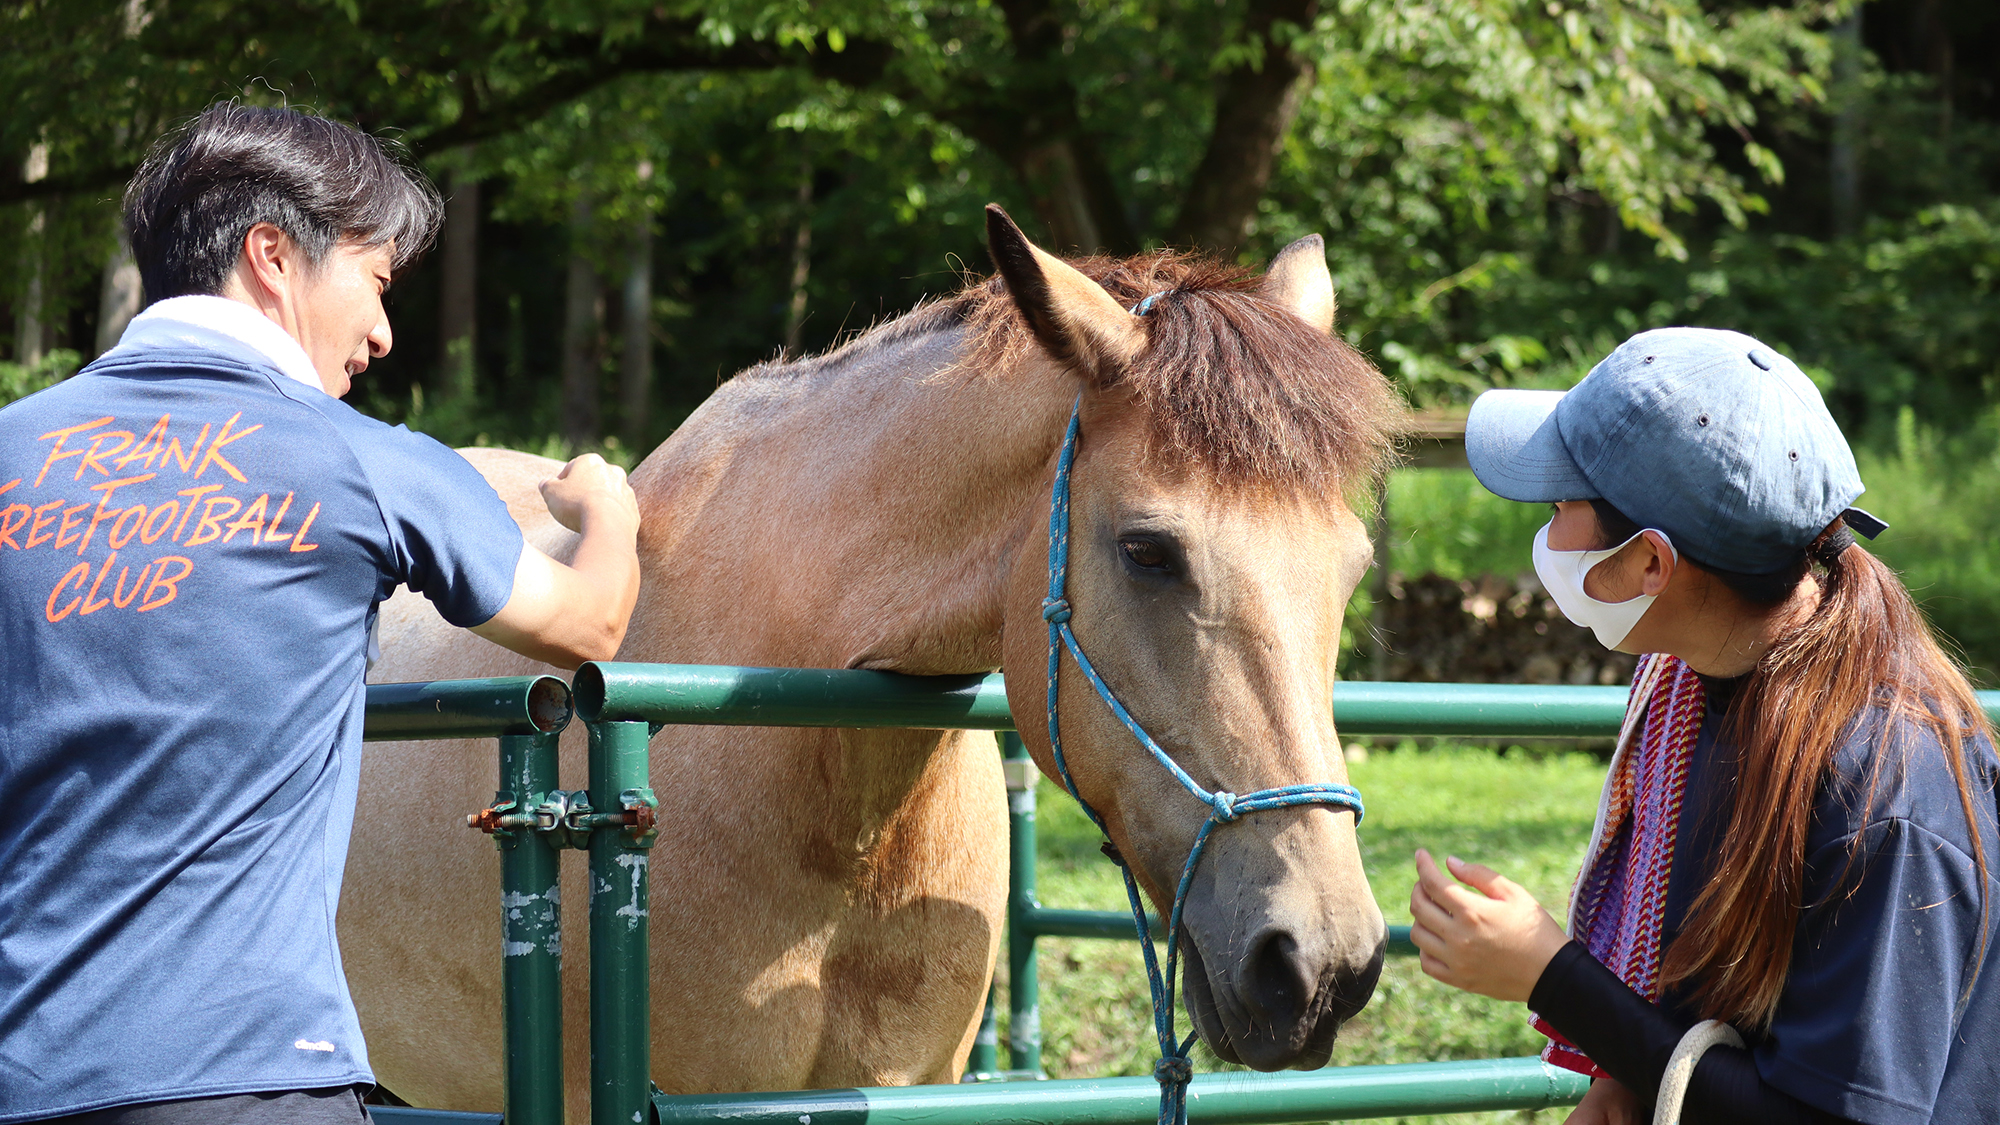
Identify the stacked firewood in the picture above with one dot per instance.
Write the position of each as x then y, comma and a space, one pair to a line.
1494, 629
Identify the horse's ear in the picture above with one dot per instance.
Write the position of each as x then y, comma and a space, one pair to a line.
1073, 317
1298, 280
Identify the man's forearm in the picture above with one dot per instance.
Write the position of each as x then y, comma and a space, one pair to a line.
607, 565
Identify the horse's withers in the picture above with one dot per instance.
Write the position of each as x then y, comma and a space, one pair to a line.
1214, 611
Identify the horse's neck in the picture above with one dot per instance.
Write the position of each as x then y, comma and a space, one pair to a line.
860, 510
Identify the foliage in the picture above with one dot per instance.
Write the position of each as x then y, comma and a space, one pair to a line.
21, 380
1431, 139
1939, 490
1528, 817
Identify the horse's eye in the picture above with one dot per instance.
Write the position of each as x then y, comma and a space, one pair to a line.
1144, 553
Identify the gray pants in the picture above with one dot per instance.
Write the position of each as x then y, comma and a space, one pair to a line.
339, 1106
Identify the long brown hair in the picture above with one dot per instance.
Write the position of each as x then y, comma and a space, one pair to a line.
1866, 644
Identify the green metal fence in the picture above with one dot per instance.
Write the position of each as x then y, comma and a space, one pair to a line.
526, 714
533, 819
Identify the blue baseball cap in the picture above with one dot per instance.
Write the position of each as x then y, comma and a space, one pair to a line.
1707, 435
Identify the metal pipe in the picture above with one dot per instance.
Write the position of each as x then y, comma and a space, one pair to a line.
530, 937
819, 697
1237, 1098
466, 709
1477, 710
620, 991
789, 697
1024, 1000
984, 1059
1043, 921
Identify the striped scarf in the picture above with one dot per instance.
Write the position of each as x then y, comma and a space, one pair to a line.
1621, 891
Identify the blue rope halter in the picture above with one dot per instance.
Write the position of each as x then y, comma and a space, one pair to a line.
1173, 1070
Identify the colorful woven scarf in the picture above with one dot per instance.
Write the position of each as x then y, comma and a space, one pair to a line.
1621, 891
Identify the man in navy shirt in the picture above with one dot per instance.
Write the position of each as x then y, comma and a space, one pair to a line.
195, 533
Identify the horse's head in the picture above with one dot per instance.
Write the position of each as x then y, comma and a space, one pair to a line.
1212, 553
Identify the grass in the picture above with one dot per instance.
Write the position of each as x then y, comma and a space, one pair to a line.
1526, 815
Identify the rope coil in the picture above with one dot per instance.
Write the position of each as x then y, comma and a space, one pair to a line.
1173, 1070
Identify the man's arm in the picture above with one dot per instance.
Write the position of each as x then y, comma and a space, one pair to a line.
565, 615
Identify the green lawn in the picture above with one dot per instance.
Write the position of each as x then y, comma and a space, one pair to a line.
1527, 816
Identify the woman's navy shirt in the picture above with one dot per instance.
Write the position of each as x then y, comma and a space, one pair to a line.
191, 552
1891, 1012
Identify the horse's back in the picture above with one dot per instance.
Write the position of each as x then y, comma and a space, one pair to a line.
767, 970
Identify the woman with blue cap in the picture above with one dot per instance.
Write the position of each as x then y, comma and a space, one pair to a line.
1786, 910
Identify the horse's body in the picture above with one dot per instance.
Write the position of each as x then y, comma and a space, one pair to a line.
827, 905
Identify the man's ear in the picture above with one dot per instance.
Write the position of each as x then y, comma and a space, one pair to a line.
1298, 280
270, 261
1073, 317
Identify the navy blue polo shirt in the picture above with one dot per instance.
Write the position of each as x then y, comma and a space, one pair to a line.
192, 549
1891, 1012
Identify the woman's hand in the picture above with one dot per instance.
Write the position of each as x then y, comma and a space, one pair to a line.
1609, 1102
1495, 942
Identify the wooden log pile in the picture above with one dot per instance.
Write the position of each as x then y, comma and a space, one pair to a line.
1495, 629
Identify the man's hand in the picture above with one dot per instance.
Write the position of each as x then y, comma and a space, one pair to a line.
589, 489
565, 615
1495, 942
1609, 1102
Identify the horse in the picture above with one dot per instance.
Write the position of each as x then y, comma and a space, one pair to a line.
827, 904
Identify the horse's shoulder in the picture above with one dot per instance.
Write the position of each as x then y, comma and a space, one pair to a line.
517, 477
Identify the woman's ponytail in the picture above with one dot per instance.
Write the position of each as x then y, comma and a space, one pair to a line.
1864, 644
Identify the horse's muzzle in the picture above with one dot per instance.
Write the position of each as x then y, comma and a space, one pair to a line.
1280, 1007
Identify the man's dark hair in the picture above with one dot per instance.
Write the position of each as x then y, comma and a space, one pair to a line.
206, 184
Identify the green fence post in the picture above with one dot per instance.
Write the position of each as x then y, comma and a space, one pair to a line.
530, 936
984, 1060
621, 820
1024, 999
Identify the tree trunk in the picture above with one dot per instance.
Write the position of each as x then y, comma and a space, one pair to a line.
118, 300
28, 317
458, 305
1844, 160
1254, 108
1038, 129
583, 321
1055, 184
635, 367
802, 245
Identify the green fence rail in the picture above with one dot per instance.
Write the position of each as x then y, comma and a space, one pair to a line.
533, 819
1336, 1094
512, 705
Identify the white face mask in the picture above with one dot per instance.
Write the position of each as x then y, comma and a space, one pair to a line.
1562, 575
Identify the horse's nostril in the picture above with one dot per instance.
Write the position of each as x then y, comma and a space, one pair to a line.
1280, 989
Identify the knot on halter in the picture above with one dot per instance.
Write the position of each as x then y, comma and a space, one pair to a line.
1224, 804
1055, 611
1173, 1070
1146, 306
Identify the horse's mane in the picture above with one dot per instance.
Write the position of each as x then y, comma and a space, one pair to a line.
1229, 378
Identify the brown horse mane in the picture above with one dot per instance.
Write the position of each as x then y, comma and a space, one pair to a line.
1229, 379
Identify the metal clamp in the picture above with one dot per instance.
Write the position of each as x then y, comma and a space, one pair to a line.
551, 815
637, 815
568, 817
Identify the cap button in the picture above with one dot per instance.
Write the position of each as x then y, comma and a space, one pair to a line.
1761, 358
